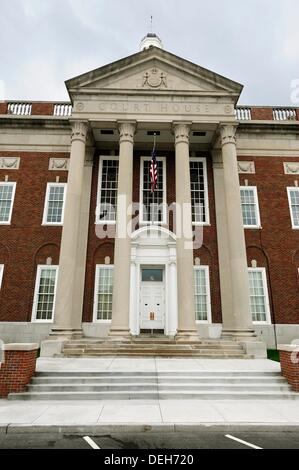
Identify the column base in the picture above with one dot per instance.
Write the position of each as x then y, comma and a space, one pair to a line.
187, 335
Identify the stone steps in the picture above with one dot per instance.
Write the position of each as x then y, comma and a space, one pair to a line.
153, 347
135, 385
153, 379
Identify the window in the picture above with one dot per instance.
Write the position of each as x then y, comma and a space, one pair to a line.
7, 195
293, 196
199, 191
202, 294
259, 301
250, 207
54, 204
1, 274
44, 295
103, 293
152, 275
107, 190
153, 205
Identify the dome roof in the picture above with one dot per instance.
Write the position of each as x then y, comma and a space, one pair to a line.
151, 39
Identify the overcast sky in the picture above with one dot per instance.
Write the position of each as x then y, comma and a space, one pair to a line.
45, 42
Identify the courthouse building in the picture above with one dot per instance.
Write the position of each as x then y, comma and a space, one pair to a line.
70, 172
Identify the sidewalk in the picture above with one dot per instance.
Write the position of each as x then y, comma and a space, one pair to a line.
171, 415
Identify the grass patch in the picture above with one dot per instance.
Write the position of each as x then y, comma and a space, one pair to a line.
273, 354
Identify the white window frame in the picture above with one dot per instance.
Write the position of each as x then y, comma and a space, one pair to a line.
13, 184
40, 267
164, 219
46, 205
289, 189
95, 297
206, 192
266, 294
99, 191
1, 274
257, 208
208, 289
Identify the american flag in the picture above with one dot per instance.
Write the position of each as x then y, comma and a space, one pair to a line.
154, 168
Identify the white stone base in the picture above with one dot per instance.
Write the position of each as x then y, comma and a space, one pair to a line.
285, 334
21, 332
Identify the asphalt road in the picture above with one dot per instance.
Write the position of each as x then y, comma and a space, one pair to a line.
195, 440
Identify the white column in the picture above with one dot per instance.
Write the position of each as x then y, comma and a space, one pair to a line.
238, 321
68, 318
122, 250
185, 269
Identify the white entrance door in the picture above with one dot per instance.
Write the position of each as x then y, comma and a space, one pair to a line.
152, 308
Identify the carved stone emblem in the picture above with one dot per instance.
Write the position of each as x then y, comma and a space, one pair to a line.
155, 79
291, 168
59, 164
10, 163
246, 167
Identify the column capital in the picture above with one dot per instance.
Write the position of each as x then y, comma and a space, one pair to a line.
228, 133
79, 131
126, 131
181, 131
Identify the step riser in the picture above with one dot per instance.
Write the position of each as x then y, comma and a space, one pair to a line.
176, 380
166, 373
153, 388
153, 396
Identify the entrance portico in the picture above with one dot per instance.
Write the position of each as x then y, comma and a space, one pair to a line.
193, 110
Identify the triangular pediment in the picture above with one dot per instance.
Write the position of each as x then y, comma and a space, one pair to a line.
156, 71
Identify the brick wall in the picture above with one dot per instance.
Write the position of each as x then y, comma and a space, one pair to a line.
276, 245
42, 109
289, 362
3, 108
262, 114
16, 371
26, 243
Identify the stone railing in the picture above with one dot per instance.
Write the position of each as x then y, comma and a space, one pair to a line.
34, 108
19, 109
266, 113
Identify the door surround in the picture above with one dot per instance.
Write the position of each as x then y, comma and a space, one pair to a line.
154, 246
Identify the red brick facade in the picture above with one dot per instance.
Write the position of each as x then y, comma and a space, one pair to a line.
26, 243
276, 245
17, 371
